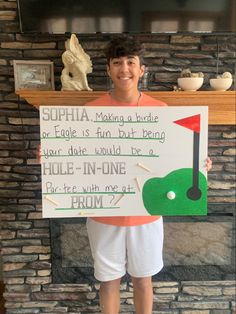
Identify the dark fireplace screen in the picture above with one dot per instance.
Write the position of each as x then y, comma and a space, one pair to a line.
195, 248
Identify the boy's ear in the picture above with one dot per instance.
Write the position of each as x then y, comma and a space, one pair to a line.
142, 70
108, 70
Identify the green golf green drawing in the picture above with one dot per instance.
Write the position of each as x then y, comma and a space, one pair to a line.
182, 189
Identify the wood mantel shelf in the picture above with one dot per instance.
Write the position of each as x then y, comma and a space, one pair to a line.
221, 104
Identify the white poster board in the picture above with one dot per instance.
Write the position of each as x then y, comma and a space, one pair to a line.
123, 161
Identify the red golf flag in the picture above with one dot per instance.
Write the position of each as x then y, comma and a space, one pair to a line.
192, 123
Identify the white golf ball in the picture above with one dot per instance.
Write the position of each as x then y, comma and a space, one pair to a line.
171, 195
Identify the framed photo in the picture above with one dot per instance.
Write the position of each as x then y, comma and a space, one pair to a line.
33, 74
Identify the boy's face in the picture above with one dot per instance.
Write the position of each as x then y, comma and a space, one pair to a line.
125, 72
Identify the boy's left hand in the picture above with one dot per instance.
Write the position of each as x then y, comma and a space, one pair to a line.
208, 164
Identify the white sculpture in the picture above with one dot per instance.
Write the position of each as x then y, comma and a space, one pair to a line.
77, 65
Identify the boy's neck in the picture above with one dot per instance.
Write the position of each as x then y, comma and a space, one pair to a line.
131, 97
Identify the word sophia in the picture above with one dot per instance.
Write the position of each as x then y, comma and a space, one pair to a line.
64, 114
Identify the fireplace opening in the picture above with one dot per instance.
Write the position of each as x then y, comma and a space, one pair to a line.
195, 248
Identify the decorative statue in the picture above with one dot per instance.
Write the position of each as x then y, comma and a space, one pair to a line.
77, 65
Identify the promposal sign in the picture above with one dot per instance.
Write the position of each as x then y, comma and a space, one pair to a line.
123, 161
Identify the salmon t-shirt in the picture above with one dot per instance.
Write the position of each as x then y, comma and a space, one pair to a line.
144, 100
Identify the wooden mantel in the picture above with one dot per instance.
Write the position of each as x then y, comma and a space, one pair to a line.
221, 104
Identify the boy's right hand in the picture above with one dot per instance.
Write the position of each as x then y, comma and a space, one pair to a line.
38, 154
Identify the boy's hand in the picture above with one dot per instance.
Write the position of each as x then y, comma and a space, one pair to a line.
208, 164
38, 154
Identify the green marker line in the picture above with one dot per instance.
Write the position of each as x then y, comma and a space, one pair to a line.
100, 138
86, 208
94, 155
75, 193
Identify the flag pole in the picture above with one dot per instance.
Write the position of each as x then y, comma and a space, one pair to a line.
194, 193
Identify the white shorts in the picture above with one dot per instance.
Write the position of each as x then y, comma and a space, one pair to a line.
136, 249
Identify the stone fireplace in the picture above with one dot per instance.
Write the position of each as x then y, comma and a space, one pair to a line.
48, 266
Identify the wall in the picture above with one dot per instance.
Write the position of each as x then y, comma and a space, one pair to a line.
1, 278
26, 250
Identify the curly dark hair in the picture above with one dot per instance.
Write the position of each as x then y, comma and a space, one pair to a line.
124, 46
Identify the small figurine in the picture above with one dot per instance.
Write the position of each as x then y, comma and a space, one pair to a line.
77, 65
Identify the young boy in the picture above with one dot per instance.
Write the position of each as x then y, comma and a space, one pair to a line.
120, 244
132, 244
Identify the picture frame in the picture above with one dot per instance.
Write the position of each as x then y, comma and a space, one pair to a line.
34, 74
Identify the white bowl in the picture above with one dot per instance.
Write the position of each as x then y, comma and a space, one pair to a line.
190, 83
221, 84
